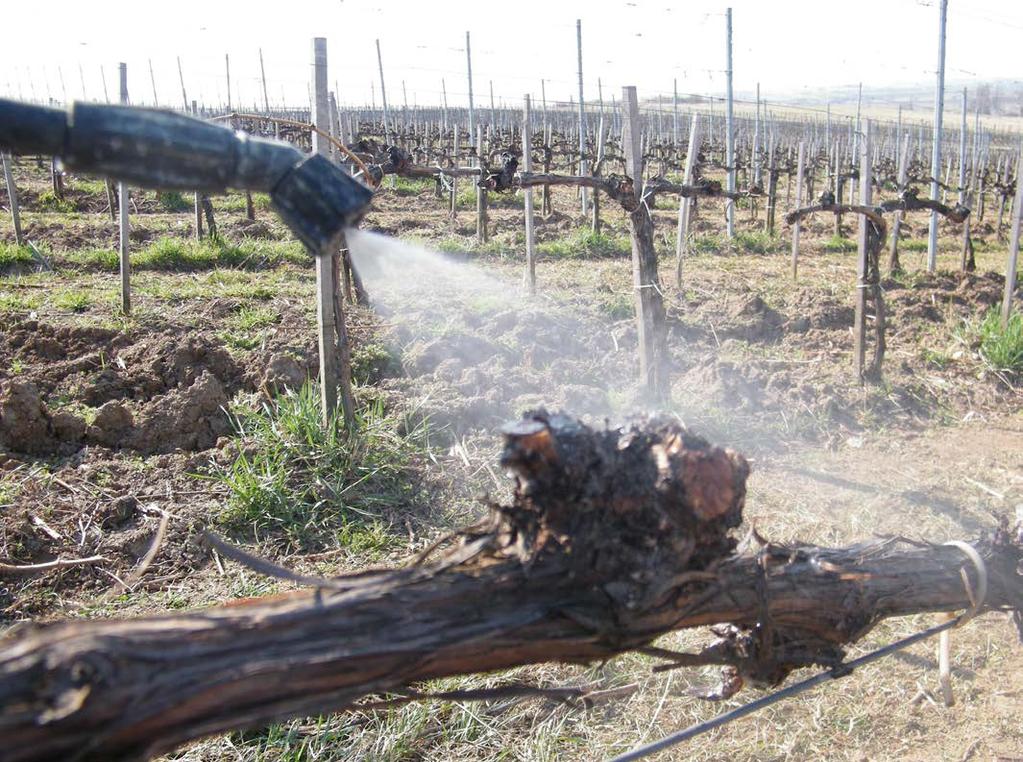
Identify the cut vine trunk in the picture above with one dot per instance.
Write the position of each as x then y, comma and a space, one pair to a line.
614, 537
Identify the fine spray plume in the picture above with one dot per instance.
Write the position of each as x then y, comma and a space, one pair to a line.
479, 350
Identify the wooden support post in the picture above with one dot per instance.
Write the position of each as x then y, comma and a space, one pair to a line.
481, 192
184, 94
729, 128
772, 187
839, 185
543, 97
331, 372
1004, 175
12, 198
388, 136
981, 181
855, 141
454, 179
198, 216
584, 193
1012, 262
103, 77
685, 202
122, 200
227, 75
799, 203
111, 199
674, 112
472, 110
893, 258
595, 200
444, 113
754, 162
527, 166
335, 129
827, 128
653, 359
862, 266
262, 76
493, 109
966, 263
939, 109
343, 346
152, 81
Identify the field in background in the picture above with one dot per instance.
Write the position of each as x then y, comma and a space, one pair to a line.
762, 365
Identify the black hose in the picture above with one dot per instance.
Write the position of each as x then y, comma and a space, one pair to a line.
153, 148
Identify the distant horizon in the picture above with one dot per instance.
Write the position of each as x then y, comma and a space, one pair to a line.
795, 52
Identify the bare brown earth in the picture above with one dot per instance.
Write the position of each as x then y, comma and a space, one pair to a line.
107, 424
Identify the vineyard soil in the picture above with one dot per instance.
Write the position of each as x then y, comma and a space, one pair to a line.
110, 424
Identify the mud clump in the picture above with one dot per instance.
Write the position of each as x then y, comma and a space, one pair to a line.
113, 421
27, 425
726, 384
425, 356
192, 418
750, 318
184, 419
68, 427
819, 312
150, 368
24, 421
283, 373
152, 394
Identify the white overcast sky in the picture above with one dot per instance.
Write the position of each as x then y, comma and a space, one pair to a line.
786, 45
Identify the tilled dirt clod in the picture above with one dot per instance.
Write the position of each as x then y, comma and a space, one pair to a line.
152, 393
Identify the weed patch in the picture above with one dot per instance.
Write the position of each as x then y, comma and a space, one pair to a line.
50, 202
1002, 347
584, 243
14, 257
314, 483
174, 254
173, 201
73, 301
839, 243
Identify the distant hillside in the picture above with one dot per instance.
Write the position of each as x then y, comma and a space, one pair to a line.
999, 98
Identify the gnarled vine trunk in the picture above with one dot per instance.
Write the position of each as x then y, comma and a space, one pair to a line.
613, 538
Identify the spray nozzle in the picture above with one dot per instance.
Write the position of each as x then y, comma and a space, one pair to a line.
153, 148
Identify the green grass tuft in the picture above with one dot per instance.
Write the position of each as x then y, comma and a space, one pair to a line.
94, 259
757, 242
1002, 347
10, 302
307, 480
72, 300
173, 201
708, 244
88, 186
371, 362
253, 318
411, 186
583, 243
616, 306
839, 243
179, 255
13, 256
48, 202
